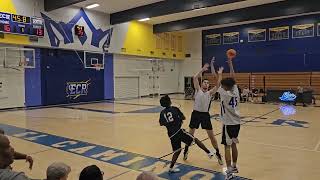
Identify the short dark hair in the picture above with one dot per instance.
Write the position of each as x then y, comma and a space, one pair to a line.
91, 173
228, 82
2, 131
205, 79
165, 101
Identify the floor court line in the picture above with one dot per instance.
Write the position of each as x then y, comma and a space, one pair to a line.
118, 175
101, 153
55, 105
135, 104
92, 110
317, 146
38, 152
281, 147
47, 106
154, 109
39, 117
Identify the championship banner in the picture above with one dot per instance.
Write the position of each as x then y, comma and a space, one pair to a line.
279, 33
231, 38
303, 30
257, 35
213, 39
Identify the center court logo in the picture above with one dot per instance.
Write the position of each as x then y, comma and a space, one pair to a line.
77, 89
288, 96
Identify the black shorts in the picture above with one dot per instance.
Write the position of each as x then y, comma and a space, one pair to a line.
181, 136
202, 118
230, 134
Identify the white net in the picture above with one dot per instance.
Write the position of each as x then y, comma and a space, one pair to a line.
93, 60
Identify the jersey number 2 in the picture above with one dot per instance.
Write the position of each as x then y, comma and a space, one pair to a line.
168, 116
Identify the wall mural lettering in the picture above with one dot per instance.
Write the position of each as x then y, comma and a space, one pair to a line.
66, 31
76, 89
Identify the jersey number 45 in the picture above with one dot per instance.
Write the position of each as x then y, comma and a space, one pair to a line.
233, 103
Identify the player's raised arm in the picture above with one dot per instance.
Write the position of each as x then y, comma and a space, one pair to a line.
232, 74
219, 78
198, 75
213, 71
231, 54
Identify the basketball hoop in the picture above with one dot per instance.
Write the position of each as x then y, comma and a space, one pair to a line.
17, 58
98, 67
23, 63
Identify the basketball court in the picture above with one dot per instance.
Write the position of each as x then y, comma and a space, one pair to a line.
134, 139
81, 81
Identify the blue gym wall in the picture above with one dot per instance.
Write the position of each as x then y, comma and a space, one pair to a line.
292, 55
32, 80
108, 77
60, 67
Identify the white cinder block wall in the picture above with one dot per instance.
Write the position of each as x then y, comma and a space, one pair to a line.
170, 81
125, 67
191, 65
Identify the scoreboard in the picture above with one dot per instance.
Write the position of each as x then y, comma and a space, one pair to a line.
24, 25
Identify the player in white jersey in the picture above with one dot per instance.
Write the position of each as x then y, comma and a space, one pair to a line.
230, 118
200, 114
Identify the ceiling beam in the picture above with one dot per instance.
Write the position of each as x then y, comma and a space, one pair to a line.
50, 5
164, 8
278, 9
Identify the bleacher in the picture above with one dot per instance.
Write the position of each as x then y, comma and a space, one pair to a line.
276, 81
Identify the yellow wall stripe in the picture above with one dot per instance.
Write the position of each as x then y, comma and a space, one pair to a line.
8, 7
141, 41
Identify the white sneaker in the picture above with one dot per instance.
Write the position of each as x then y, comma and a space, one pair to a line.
211, 154
234, 169
217, 156
229, 176
174, 170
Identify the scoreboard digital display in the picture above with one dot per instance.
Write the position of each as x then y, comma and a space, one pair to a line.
21, 19
24, 25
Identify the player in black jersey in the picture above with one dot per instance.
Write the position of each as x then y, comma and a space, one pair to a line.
172, 118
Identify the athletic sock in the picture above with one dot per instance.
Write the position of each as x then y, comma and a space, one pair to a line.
217, 150
171, 166
186, 149
207, 151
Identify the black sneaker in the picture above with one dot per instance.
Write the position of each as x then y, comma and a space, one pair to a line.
219, 158
185, 155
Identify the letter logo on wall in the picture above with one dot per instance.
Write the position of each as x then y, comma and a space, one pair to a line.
66, 31
77, 89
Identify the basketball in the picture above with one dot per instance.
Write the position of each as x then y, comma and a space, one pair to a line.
231, 53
